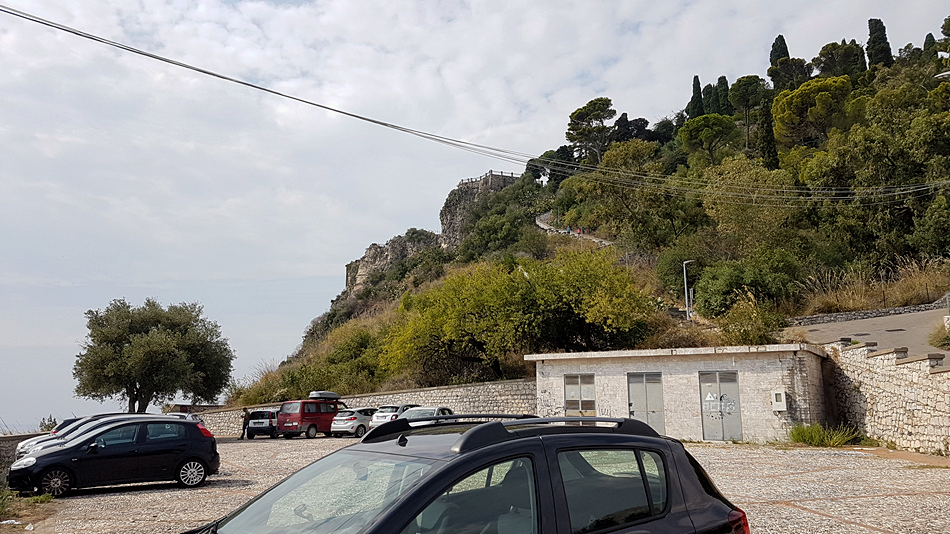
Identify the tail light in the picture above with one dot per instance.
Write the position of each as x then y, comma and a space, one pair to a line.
207, 433
393, 418
350, 419
739, 523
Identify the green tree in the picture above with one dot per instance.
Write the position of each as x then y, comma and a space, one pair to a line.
879, 49
790, 73
695, 107
765, 138
588, 131
745, 95
148, 354
779, 51
722, 89
932, 229
839, 59
708, 132
806, 115
945, 28
711, 99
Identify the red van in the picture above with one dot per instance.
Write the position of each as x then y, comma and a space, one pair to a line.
309, 416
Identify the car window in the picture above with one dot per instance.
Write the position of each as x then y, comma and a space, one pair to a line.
311, 407
261, 415
340, 493
367, 412
327, 407
388, 409
290, 407
345, 413
123, 435
499, 499
607, 488
164, 431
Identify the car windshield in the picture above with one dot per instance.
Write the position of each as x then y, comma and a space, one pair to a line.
388, 409
290, 407
339, 493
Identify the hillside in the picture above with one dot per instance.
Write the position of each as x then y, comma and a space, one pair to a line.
819, 186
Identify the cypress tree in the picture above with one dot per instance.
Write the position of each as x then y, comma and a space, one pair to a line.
779, 50
710, 99
695, 107
879, 50
722, 87
929, 42
765, 137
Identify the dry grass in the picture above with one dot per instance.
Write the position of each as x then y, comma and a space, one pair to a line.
906, 282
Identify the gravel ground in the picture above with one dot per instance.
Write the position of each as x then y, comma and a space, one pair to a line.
782, 490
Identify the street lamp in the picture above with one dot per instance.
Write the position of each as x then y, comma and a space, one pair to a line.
686, 288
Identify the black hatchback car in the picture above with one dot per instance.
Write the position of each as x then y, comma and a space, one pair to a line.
142, 449
517, 476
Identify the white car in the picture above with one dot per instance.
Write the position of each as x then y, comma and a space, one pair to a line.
352, 421
427, 411
388, 412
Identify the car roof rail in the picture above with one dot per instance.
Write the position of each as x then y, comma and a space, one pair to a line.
498, 431
400, 426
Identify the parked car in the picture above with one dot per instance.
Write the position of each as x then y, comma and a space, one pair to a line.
514, 476
143, 449
352, 421
263, 422
84, 424
309, 416
426, 411
388, 412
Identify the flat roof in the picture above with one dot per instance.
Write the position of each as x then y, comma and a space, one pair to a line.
760, 350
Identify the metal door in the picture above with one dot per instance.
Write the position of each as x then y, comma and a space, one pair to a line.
645, 394
719, 394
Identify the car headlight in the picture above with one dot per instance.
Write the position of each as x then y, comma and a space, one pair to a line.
23, 463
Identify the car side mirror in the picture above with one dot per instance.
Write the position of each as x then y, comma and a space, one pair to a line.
93, 448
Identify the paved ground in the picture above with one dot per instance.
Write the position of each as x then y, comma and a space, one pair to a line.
783, 490
909, 330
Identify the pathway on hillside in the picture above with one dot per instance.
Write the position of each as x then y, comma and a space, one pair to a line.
542, 222
909, 330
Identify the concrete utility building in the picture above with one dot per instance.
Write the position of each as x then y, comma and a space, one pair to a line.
752, 393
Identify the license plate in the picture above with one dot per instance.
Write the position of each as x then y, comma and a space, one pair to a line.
257, 423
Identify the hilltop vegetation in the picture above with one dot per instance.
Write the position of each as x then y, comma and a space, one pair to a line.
819, 187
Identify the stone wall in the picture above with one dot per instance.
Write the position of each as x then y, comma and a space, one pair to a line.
7, 450
508, 396
893, 396
942, 302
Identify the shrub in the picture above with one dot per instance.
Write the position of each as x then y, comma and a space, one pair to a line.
820, 436
750, 323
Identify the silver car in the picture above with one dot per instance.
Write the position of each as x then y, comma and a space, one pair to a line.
427, 411
353, 421
388, 412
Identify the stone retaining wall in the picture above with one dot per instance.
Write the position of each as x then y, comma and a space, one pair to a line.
892, 396
508, 396
7, 449
942, 302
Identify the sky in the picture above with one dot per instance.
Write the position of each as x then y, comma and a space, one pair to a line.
124, 177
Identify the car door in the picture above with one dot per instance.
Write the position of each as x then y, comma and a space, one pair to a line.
502, 490
165, 444
613, 483
111, 457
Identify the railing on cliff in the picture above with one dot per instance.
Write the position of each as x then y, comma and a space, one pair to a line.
488, 176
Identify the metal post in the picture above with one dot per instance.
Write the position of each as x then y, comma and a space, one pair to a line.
686, 288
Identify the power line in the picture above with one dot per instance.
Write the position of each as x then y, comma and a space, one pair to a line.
761, 195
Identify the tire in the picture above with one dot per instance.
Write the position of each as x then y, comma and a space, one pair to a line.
274, 434
57, 481
250, 436
311, 431
191, 473
360, 430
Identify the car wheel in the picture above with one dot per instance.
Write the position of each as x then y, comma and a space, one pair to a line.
360, 431
274, 434
250, 436
192, 473
56, 481
311, 431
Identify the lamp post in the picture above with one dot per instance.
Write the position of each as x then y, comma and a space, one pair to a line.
686, 288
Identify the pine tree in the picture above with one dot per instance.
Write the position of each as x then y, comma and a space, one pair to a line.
779, 50
695, 107
879, 50
722, 87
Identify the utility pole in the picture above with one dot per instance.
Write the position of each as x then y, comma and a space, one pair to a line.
686, 288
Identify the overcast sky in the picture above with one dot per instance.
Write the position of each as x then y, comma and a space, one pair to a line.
123, 177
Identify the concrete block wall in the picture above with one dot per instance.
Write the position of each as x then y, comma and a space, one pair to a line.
507, 396
893, 396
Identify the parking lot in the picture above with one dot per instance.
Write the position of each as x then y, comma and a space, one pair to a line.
783, 490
